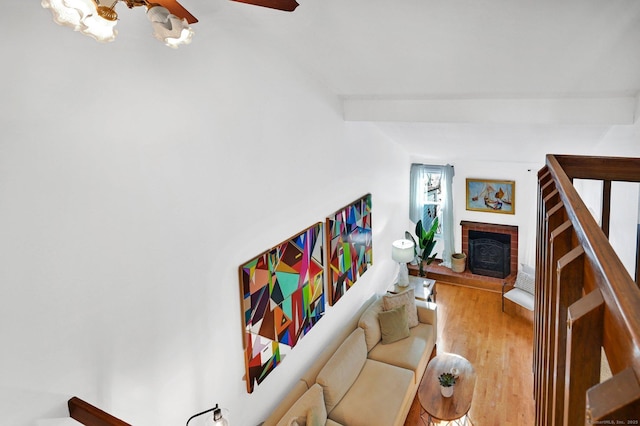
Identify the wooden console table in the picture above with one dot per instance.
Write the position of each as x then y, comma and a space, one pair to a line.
423, 288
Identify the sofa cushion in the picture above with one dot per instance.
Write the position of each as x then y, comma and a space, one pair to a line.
371, 325
394, 325
406, 298
343, 368
312, 401
411, 353
376, 398
525, 282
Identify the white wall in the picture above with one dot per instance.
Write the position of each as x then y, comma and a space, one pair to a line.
134, 180
624, 214
525, 177
509, 152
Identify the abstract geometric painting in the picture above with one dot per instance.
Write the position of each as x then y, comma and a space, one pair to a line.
350, 248
282, 299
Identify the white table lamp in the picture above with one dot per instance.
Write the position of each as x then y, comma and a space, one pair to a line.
402, 251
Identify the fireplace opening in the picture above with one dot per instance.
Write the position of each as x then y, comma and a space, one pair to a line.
490, 253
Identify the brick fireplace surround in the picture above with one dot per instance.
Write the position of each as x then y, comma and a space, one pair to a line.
495, 228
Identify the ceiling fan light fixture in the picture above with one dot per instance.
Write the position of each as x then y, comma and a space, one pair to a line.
97, 19
70, 13
85, 16
100, 28
168, 28
107, 12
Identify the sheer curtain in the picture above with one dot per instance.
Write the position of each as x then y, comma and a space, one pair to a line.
447, 214
417, 175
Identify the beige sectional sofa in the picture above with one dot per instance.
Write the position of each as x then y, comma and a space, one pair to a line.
360, 381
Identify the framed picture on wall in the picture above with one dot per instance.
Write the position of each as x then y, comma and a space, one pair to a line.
493, 196
282, 299
349, 246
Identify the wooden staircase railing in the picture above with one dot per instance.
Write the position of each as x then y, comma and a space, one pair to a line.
90, 415
586, 302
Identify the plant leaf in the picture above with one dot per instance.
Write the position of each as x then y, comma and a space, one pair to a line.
420, 232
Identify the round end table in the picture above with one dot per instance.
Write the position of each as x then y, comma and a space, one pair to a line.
453, 408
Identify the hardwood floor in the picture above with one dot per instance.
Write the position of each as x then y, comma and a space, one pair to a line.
471, 324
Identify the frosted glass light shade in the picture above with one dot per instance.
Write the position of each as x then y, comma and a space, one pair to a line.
218, 418
70, 13
168, 28
82, 16
402, 251
99, 28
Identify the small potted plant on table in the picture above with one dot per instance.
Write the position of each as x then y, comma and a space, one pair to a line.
447, 380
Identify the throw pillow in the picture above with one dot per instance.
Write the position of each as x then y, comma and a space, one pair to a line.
525, 282
394, 325
528, 269
298, 421
406, 298
312, 399
315, 417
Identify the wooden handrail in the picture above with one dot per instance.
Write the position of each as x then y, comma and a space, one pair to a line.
90, 415
576, 267
619, 289
621, 169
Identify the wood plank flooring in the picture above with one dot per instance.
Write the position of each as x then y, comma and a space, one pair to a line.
471, 324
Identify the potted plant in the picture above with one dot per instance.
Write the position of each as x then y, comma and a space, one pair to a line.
447, 380
426, 243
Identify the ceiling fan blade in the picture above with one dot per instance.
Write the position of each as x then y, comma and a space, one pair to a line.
177, 9
286, 5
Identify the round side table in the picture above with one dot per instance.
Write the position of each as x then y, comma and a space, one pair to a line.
454, 408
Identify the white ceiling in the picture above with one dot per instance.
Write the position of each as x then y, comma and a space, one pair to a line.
439, 62
458, 48
558, 74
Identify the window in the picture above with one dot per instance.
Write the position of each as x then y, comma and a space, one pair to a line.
430, 197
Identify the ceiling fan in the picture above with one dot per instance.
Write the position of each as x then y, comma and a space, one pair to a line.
169, 19
177, 9
286, 5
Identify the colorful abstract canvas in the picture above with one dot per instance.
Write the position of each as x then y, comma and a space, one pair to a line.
282, 299
350, 248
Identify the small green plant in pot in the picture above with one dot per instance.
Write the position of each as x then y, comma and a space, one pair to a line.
425, 244
447, 380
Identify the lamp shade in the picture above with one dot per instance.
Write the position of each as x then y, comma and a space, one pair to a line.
402, 251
